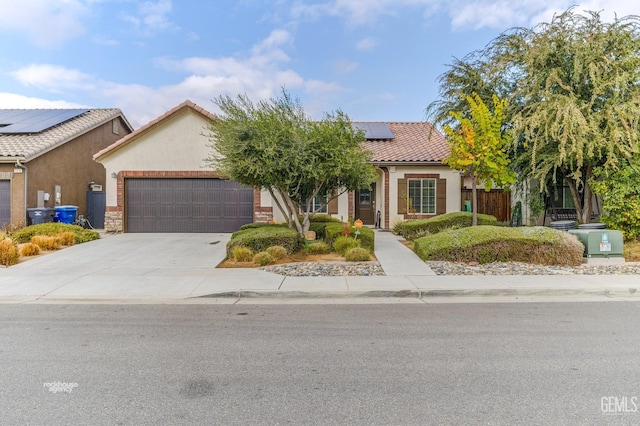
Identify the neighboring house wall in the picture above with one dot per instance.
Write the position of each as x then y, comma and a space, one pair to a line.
71, 166
8, 173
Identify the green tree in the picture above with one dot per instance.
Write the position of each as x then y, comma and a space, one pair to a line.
620, 197
274, 145
576, 98
478, 146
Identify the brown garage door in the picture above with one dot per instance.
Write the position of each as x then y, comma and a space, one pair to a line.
187, 205
5, 202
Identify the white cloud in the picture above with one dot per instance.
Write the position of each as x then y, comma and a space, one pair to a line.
260, 73
366, 44
54, 78
151, 18
464, 14
12, 100
345, 66
46, 22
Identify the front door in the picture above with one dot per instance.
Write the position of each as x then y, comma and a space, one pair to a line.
366, 205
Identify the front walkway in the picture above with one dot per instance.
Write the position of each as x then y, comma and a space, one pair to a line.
396, 259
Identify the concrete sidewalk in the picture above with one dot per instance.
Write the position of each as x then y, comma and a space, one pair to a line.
179, 268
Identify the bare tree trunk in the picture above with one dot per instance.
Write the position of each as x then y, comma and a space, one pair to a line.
577, 201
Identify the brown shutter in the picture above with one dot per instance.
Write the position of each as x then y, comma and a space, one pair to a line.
441, 196
402, 196
332, 208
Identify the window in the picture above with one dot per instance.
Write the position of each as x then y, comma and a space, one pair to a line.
115, 127
422, 196
318, 200
561, 196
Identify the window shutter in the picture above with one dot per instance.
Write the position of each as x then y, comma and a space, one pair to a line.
332, 208
402, 196
441, 196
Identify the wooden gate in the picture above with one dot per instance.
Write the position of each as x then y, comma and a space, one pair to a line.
495, 202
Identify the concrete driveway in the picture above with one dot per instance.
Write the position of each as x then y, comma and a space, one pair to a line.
132, 266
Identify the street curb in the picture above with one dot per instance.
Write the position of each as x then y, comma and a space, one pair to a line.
426, 294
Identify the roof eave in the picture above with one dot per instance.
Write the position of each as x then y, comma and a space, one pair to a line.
407, 163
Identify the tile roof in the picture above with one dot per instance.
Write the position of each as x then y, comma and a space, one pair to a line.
413, 142
30, 146
150, 125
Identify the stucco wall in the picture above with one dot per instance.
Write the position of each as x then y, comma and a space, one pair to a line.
178, 143
398, 172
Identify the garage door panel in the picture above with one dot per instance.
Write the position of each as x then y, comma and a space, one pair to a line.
186, 205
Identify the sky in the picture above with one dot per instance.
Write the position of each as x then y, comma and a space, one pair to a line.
376, 60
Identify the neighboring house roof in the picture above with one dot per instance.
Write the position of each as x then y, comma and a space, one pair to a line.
413, 142
33, 132
151, 125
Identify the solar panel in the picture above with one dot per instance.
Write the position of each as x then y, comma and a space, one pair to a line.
15, 121
374, 130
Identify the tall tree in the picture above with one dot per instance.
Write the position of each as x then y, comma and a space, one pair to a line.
274, 145
576, 95
478, 146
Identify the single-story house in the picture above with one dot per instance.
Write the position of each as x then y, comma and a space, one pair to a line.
46, 157
158, 180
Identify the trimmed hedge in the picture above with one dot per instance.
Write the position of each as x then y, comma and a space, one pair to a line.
261, 225
81, 235
485, 244
366, 237
412, 229
260, 238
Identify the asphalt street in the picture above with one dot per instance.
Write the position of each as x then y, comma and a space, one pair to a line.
400, 364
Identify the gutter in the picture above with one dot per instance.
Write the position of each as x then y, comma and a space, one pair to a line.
19, 165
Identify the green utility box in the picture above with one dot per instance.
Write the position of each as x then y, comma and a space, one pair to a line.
599, 242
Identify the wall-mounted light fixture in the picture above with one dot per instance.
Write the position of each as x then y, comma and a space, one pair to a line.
114, 175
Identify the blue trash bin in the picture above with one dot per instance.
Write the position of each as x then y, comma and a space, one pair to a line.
66, 214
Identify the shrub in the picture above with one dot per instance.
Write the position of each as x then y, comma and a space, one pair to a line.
29, 249
344, 243
485, 244
9, 254
47, 242
67, 238
263, 258
317, 247
323, 218
357, 254
242, 254
277, 252
261, 225
366, 237
81, 235
259, 239
412, 229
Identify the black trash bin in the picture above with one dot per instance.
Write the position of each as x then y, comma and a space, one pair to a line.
40, 215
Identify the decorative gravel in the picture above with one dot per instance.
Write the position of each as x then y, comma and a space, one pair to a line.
518, 268
313, 269
328, 269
